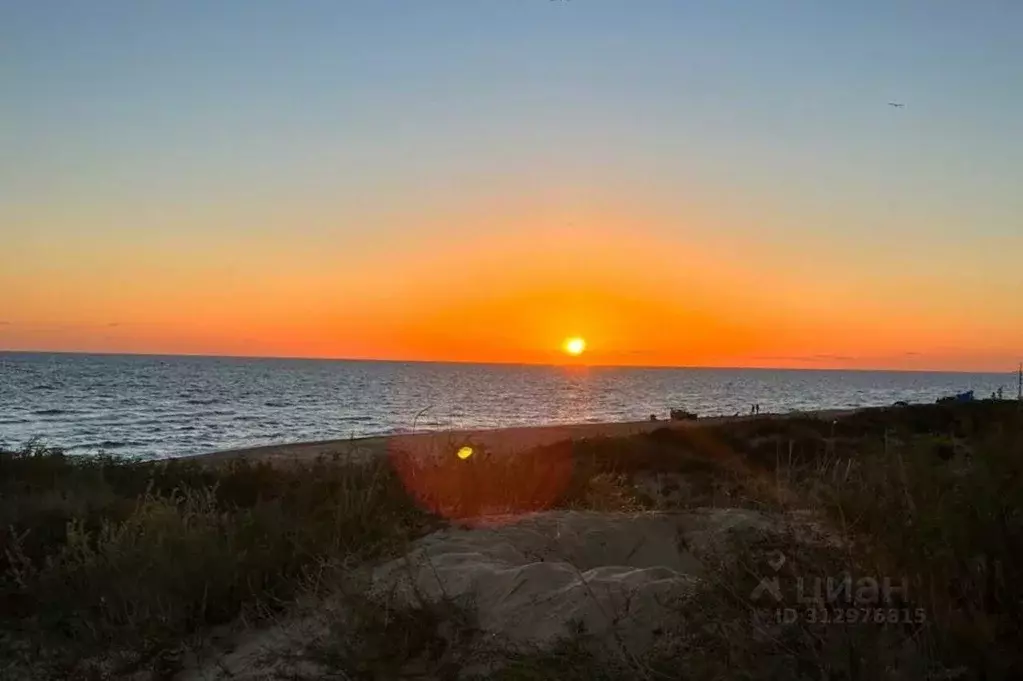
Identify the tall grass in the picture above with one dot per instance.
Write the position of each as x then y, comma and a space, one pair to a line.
123, 560
954, 527
933, 494
109, 565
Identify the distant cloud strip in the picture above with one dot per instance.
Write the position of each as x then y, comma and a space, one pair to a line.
808, 358
54, 327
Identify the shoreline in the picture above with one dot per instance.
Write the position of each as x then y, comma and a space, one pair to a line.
502, 440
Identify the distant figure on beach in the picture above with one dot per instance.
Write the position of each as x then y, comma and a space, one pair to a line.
752, 409
999, 393
653, 417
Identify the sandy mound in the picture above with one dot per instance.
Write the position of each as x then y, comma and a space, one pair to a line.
535, 581
530, 580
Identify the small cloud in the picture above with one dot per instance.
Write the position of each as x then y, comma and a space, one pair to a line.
57, 327
807, 358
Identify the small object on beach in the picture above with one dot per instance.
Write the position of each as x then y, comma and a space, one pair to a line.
465, 452
653, 417
958, 398
683, 415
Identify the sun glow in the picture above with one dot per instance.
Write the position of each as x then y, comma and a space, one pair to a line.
575, 346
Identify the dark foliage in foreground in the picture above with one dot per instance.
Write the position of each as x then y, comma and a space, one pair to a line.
110, 565
104, 554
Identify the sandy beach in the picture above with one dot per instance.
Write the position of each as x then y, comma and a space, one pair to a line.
492, 440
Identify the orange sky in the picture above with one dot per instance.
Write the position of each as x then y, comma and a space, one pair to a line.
678, 186
506, 289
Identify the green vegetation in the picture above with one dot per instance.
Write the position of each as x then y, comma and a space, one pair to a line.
112, 564
112, 567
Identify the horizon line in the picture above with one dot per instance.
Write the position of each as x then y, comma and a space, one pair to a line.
495, 363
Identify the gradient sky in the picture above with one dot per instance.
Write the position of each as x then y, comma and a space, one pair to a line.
682, 183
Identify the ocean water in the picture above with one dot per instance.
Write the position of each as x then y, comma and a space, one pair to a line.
166, 406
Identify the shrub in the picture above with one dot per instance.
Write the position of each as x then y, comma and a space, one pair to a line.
105, 555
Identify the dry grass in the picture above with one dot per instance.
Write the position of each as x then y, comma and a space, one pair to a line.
111, 566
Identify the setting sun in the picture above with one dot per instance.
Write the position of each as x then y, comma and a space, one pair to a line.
575, 346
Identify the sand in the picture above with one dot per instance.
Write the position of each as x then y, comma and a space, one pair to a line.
531, 580
492, 440
623, 578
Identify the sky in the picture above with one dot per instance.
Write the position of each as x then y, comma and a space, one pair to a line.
680, 183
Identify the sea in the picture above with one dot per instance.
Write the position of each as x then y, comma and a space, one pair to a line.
170, 406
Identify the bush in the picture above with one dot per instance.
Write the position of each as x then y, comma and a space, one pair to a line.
954, 526
104, 556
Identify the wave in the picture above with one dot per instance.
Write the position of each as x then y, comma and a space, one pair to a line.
52, 412
107, 445
202, 401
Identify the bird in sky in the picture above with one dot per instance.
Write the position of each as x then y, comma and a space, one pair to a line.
897, 105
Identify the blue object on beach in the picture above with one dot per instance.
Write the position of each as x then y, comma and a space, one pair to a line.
957, 398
